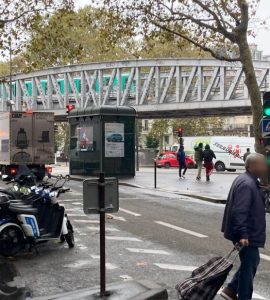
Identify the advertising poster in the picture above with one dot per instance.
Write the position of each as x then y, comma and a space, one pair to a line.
21, 138
114, 140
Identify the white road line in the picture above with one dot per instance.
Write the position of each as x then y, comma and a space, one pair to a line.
86, 221
148, 251
255, 296
110, 266
266, 257
95, 256
130, 212
123, 238
126, 277
117, 218
76, 203
199, 235
111, 229
175, 267
76, 215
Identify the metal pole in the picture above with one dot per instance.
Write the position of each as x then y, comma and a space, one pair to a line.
155, 174
102, 234
137, 147
10, 74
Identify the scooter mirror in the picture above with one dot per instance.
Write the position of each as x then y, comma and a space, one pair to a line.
60, 176
67, 178
49, 175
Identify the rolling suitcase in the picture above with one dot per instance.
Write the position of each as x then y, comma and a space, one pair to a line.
205, 281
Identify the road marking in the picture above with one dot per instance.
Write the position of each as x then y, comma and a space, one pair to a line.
116, 218
107, 228
199, 235
76, 203
95, 256
148, 251
86, 221
175, 267
76, 215
110, 266
126, 277
254, 296
266, 257
130, 212
123, 238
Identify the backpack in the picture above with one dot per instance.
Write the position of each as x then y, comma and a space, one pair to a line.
208, 155
198, 155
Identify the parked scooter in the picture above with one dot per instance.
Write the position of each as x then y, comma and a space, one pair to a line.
34, 217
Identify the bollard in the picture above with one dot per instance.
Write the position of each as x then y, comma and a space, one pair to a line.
155, 174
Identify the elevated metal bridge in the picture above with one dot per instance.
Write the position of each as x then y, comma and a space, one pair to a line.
155, 87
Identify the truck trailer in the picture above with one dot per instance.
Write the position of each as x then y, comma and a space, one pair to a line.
26, 138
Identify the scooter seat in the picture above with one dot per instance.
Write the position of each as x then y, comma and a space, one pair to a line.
23, 210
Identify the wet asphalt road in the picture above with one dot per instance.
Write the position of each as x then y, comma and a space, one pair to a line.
156, 235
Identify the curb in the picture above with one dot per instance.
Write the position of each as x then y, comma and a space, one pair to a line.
132, 290
181, 193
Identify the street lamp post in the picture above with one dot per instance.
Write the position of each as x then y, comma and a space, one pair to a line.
10, 73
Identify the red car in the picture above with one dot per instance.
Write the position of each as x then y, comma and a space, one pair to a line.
169, 159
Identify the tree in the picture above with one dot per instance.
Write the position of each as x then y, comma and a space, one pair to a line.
159, 129
62, 138
52, 42
218, 27
199, 126
151, 142
16, 16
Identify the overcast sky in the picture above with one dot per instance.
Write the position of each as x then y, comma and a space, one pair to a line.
262, 34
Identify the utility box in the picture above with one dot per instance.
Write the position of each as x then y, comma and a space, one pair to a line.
102, 139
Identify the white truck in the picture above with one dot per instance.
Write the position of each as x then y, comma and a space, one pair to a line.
229, 150
26, 138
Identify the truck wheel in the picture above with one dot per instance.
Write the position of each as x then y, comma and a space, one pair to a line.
167, 165
219, 166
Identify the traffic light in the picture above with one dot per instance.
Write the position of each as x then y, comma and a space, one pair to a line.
70, 107
266, 104
180, 132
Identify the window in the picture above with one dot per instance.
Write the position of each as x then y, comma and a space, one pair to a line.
146, 125
166, 139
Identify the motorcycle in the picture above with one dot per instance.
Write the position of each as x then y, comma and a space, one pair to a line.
32, 215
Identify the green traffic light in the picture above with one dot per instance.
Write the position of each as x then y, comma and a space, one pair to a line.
267, 111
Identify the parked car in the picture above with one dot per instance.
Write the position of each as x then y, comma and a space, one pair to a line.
169, 159
115, 137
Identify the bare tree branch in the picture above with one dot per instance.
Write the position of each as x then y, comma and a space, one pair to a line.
197, 44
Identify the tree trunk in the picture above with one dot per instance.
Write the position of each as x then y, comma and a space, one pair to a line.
254, 91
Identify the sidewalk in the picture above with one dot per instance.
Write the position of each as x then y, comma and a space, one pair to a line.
167, 180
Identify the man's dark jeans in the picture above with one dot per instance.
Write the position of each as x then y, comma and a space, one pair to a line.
242, 282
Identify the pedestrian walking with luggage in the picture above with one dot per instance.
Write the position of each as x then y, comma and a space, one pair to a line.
181, 157
244, 222
208, 156
198, 157
246, 154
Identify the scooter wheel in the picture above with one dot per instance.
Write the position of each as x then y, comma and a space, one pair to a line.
11, 241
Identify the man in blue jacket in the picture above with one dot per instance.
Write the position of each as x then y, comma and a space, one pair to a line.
244, 222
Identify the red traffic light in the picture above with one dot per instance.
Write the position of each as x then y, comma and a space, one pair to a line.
180, 132
70, 107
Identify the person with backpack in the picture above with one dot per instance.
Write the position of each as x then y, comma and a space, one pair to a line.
208, 156
198, 157
181, 157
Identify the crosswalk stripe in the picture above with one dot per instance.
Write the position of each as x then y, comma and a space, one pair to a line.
76, 215
122, 238
86, 221
148, 251
76, 203
175, 267
94, 228
199, 235
117, 218
130, 212
266, 257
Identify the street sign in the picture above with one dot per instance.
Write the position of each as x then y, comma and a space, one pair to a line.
91, 203
266, 128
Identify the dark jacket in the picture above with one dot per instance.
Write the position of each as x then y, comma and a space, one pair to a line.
198, 155
208, 155
181, 157
244, 216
